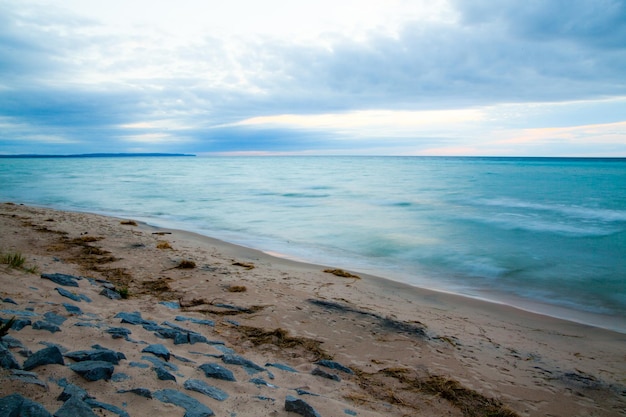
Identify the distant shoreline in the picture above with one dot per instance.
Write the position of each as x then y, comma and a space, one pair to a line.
98, 155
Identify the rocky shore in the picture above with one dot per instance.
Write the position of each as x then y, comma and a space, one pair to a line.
108, 317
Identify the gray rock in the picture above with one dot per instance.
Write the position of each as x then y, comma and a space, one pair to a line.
72, 309
15, 405
261, 381
250, 367
138, 365
62, 279
28, 378
75, 407
10, 342
135, 319
298, 406
193, 407
67, 294
7, 360
196, 321
158, 350
282, 367
47, 356
142, 392
159, 363
8, 301
72, 391
18, 324
111, 294
213, 370
335, 365
163, 375
19, 313
54, 318
324, 374
119, 332
45, 325
93, 370
206, 389
105, 355
109, 407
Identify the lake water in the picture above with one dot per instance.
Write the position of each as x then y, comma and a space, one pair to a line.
546, 234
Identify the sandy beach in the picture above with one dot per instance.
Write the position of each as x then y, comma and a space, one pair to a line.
342, 344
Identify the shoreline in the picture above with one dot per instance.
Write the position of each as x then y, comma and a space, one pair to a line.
611, 323
392, 335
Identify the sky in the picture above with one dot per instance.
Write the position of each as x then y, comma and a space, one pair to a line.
288, 77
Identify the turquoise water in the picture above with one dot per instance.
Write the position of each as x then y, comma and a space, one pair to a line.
515, 230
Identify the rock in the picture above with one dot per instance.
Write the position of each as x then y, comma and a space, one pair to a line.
19, 313
27, 378
72, 309
8, 301
93, 370
324, 374
54, 318
193, 407
62, 279
135, 319
47, 356
301, 391
158, 350
206, 389
72, 391
174, 305
105, 355
67, 294
261, 381
19, 324
213, 370
334, 365
282, 367
109, 407
118, 332
7, 360
142, 392
296, 405
159, 363
250, 367
163, 375
10, 342
111, 294
44, 325
15, 405
138, 365
75, 407
196, 321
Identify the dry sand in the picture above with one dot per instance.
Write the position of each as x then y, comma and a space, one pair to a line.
414, 352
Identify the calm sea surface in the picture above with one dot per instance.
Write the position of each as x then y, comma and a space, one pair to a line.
544, 234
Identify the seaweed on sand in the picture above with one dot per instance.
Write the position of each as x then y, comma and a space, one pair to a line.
405, 387
281, 338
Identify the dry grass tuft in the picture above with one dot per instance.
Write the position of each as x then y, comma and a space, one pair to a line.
236, 288
186, 264
341, 273
163, 244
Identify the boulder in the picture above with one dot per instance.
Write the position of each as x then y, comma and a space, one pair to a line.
93, 370
158, 350
206, 389
75, 407
298, 406
105, 355
47, 356
213, 370
16, 405
62, 279
193, 407
163, 375
7, 360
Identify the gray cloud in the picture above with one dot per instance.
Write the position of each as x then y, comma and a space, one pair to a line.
504, 52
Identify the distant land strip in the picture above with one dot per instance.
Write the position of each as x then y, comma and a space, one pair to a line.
97, 155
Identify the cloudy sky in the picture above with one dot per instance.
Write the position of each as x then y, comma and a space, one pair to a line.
392, 77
